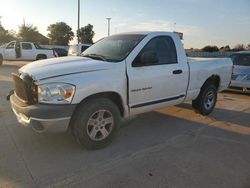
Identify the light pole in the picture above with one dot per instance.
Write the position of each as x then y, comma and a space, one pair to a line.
108, 25
78, 20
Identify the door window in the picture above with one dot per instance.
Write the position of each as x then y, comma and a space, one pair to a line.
10, 45
158, 51
26, 46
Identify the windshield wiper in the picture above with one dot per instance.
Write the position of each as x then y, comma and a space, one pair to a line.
96, 56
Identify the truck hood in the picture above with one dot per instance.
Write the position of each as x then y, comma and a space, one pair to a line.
63, 66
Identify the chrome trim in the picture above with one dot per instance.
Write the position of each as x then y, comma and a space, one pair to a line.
51, 120
51, 125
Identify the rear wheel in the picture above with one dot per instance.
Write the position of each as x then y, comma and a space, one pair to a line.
41, 56
206, 100
95, 123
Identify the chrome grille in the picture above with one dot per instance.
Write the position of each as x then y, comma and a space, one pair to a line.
20, 88
24, 88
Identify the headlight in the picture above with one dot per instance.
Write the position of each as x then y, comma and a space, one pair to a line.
56, 93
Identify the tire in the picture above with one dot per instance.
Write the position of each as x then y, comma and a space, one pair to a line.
1, 60
206, 100
41, 56
95, 123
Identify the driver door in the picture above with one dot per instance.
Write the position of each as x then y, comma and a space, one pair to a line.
156, 78
9, 52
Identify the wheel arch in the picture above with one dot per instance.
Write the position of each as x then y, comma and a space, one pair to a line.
214, 79
41, 55
113, 96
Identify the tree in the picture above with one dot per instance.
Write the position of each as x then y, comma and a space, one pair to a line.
248, 46
225, 48
27, 32
60, 33
5, 35
86, 34
239, 47
210, 49
31, 34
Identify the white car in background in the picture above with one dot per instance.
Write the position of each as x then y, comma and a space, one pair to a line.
241, 72
16, 50
77, 49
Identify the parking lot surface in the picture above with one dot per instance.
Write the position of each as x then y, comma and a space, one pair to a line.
171, 147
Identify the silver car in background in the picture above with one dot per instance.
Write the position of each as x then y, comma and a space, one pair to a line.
241, 72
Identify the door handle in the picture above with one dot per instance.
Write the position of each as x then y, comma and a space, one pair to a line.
177, 71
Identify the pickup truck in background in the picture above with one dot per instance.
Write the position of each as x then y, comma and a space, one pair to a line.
77, 49
16, 50
117, 77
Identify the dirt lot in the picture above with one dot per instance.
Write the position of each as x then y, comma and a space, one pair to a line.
172, 147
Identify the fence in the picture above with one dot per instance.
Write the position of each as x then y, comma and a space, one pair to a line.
209, 54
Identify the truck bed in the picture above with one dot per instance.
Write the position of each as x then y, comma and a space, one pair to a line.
202, 68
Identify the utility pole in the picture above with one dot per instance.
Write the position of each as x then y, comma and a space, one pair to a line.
108, 25
78, 21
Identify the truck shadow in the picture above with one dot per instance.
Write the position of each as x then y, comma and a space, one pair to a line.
235, 117
236, 93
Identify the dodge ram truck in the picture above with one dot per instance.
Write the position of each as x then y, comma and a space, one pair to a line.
117, 77
16, 50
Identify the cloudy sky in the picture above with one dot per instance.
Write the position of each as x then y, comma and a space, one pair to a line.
203, 22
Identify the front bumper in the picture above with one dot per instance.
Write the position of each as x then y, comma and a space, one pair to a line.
42, 117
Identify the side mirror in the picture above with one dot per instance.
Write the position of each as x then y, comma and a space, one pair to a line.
149, 58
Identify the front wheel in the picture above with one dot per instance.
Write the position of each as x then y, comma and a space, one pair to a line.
41, 56
206, 100
95, 123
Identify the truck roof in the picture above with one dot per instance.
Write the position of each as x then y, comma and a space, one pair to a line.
146, 32
153, 33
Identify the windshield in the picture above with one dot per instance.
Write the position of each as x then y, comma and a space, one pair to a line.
113, 49
241, 59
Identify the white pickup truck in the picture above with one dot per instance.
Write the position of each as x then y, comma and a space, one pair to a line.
119, 76
16, 50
